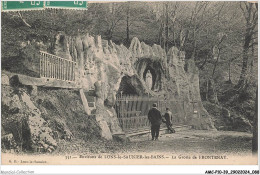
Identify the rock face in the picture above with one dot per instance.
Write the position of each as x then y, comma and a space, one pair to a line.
39, 123
227, 120
5, 79
110, 69
23, 120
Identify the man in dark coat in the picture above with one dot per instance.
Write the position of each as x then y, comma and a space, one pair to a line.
155, 118
168, 120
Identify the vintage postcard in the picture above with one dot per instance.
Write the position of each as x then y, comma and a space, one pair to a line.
129, 83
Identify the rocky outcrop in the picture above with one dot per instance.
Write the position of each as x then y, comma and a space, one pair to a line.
183, 84
140, 49
227, 120
40, 121
23, 120
110, 69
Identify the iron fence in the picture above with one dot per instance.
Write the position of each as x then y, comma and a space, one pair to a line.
132, 111
52, 66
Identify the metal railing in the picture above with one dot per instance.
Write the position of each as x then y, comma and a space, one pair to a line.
52, 66
132, 111
134, 123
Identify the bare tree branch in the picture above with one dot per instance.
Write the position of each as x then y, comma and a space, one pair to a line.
21, 17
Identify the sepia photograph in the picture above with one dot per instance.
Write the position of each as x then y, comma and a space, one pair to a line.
129, 83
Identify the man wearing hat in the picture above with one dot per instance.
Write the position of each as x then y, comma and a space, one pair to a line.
155, 118
168, 120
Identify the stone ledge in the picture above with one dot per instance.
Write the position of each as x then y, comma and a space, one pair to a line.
45, 82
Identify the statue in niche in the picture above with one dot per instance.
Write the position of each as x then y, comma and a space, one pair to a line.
149, 79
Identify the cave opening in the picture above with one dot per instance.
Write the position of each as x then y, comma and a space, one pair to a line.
127, 86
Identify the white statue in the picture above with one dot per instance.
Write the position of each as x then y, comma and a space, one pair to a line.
149, 79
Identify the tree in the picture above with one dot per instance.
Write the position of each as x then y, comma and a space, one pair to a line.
250, 12
166, 14
130, 16
108, 17
113, 18
127, 23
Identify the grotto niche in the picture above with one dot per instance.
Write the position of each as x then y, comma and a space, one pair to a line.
151, 72
148, 78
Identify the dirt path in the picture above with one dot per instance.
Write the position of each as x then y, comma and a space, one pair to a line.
186, 141
195, 141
